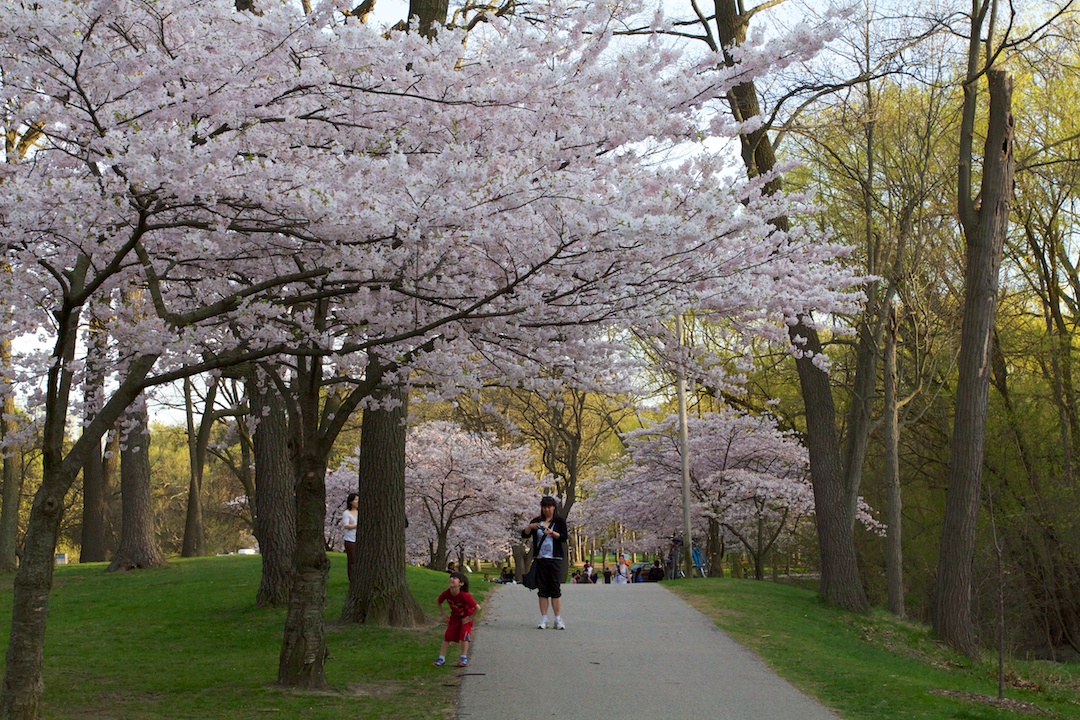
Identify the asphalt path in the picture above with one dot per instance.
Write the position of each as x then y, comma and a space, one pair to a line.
629, 652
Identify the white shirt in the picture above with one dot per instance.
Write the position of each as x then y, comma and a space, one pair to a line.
348, 517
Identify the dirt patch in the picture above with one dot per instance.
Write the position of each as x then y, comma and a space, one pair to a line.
1005, 703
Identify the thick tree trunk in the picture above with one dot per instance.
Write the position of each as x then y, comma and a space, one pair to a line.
93, 545
23, 683
430, 13
841, 584
304, 651
440, 552
12, 474
273, 507
953, 620
138, 534
517, 551
380, 594
894, 549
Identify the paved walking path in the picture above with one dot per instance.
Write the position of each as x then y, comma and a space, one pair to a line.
629, 652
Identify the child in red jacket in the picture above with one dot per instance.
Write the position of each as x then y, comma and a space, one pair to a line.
463, 609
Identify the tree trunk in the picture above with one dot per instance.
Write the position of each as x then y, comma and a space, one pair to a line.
953, 620
303, 649
841, 584
138, 535
12, 473
380, 595
520, 559
430, 13
894, 549
714, 548
198, 440
23, 683
273, 506
94, 546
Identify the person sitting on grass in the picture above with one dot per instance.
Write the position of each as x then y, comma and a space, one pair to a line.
459, 623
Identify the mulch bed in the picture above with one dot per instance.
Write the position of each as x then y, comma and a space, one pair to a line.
1006, 703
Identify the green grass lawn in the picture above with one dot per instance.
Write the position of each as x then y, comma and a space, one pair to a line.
186, 641
874, 667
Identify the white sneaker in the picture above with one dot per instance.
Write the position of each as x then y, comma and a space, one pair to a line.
543, 624
559, 624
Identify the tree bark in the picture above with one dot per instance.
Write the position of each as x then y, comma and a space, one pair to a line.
94, 546
273, 505
138, 534
198, 440
380, 594
303, 649
894, 549
953, 621
11, 496
431, 14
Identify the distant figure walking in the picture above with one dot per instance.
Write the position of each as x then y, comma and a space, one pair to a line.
548, 533
622, 572
349, 520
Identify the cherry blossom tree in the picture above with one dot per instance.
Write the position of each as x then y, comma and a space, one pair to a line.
749, 483
283, 186
463, 490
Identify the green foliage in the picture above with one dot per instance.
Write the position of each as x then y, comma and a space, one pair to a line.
186, 642
875, 667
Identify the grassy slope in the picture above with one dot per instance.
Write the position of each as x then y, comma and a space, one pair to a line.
186, 641
873, 666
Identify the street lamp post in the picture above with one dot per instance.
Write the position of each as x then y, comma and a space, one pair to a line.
684, 452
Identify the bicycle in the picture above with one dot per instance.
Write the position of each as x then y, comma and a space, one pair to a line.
675, 558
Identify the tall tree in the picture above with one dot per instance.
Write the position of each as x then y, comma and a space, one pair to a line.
94, 545
841, 584
894, 555
273, 500
984, 223
138, 536
198, 442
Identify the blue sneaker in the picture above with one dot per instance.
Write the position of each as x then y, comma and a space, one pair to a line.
439, 662
463, 661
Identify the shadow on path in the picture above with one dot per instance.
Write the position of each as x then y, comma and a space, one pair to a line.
629, 652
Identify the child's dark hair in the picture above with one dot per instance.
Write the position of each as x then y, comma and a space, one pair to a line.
464, 580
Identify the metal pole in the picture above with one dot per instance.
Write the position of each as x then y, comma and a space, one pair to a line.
684, 452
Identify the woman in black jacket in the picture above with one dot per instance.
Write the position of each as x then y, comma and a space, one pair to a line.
548, 533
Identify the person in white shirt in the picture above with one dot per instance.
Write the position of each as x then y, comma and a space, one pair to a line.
349, 518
